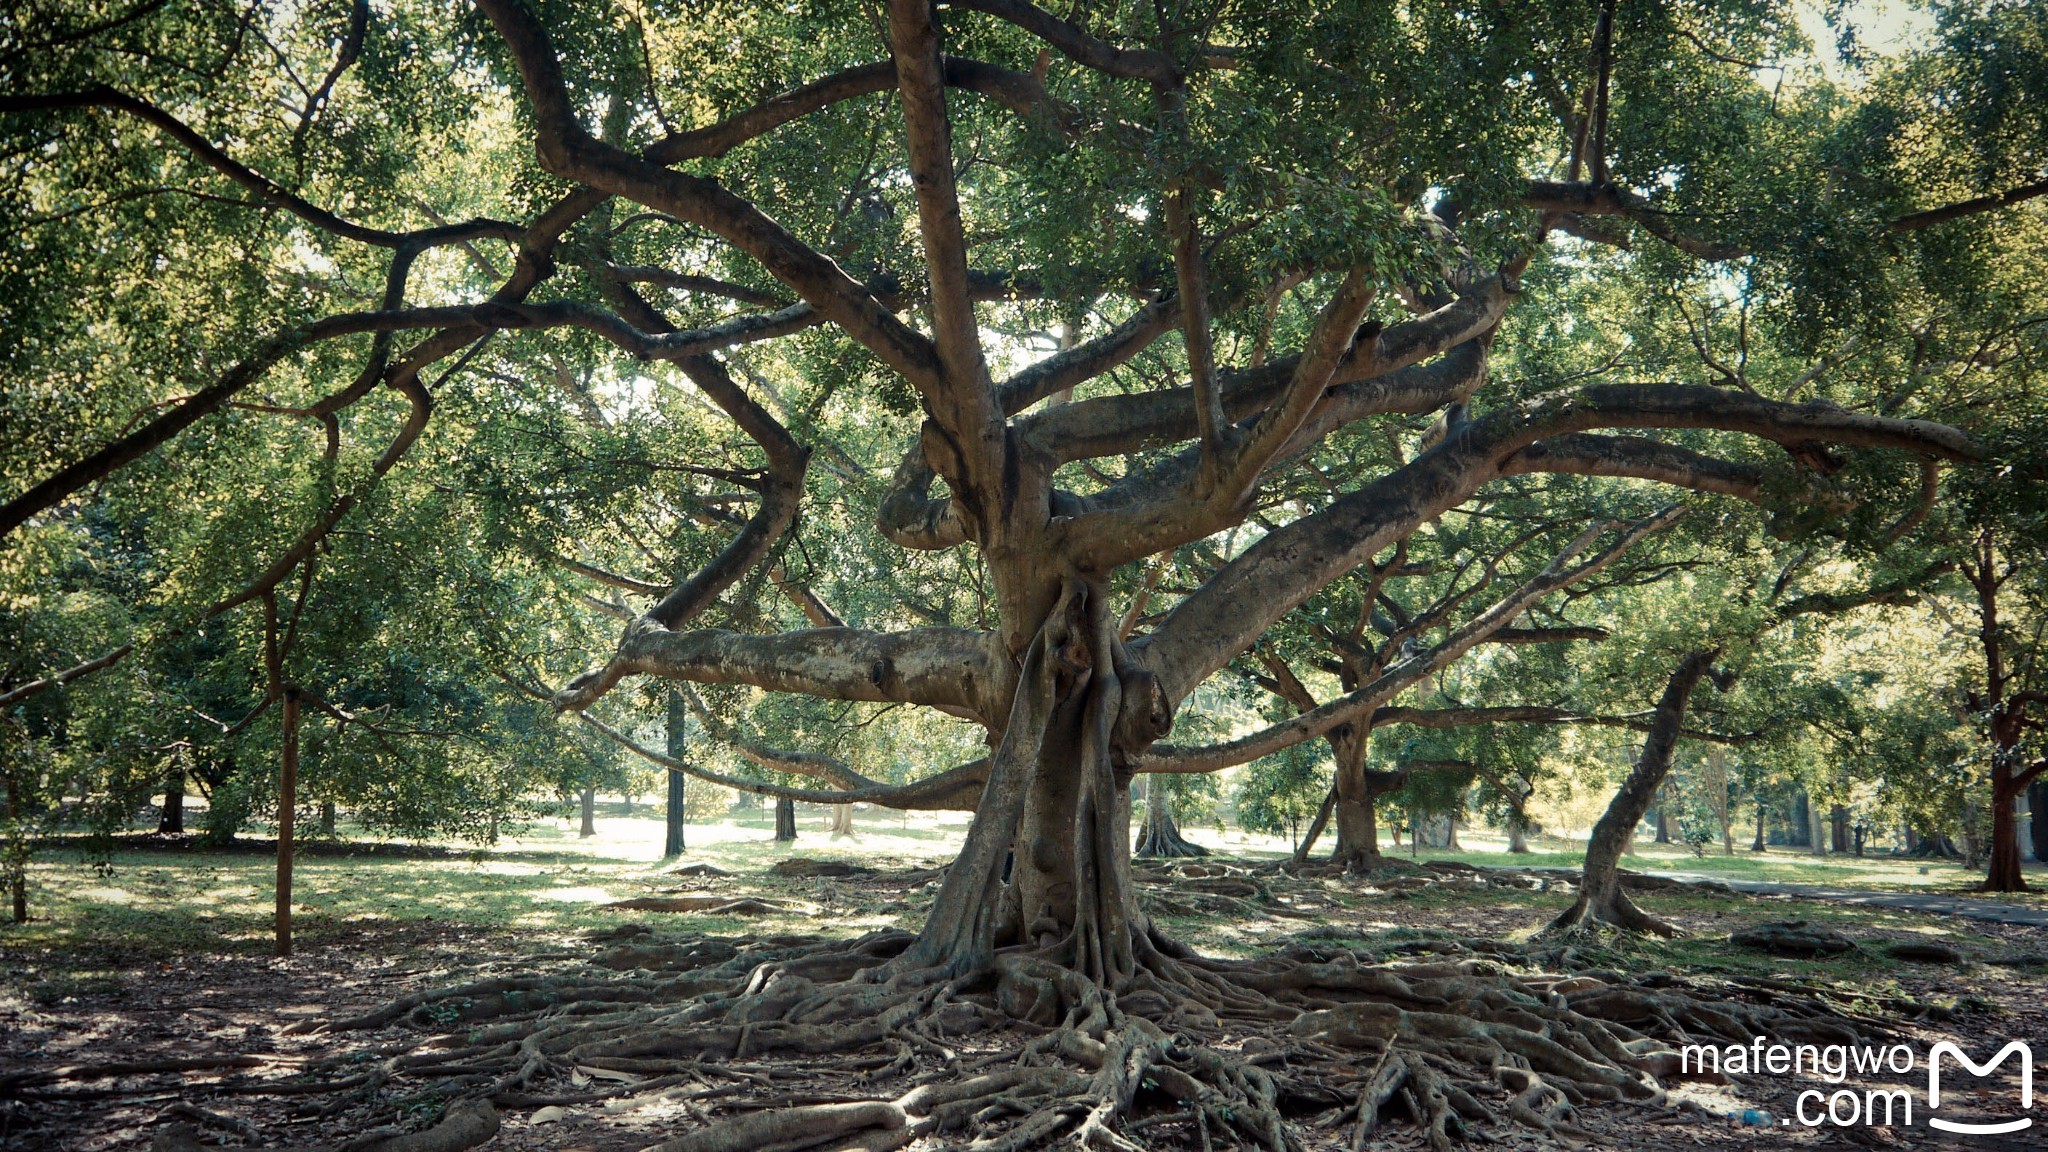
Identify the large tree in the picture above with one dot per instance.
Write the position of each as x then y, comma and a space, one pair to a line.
1257, 230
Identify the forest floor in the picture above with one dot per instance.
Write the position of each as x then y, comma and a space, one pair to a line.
162, 956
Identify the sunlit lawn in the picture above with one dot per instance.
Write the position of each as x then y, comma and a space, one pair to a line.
1876, 871
546, 882
543, 881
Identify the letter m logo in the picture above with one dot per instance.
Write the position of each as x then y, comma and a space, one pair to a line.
2026, 1063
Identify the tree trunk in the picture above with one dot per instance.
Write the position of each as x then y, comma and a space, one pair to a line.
678, 782
1721, 797
2008, 723
1451, 831
785, 819
588, 802
1057, 808
1159, 836
172, 822
327, 818
1601, 898
2037, 803
287, 804
1816, 835
842, 820
1358, 836
1518, 839
1838, 829
1758, 844
1663, 825
2006, 874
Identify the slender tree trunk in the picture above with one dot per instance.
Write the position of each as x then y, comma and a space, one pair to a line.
2008, 719
1316, 826
1758, 844
1721, 797
172, 822
1816, 835
15, 861
678, 782
1451, 831
1159, 835
1663, 825
785, 819
1838, 829
287, 805
2037, 803
1601, 897
327, 818
588, 802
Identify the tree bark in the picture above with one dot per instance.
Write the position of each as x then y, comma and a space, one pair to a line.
1758, 844
1601, 897
1663, 825
1816, 837
785, 819
172, 822
1159, 836
587, 801
328, 814
678, 783
842, 820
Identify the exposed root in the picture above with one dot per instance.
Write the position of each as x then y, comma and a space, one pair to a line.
466, 1124
1188, 1052
1607, 907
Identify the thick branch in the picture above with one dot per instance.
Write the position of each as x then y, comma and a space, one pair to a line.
1073, 42
1362, 701
1583, 454
948, 668
1089, 359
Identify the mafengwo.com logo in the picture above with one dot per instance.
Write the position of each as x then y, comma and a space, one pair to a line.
1850, 1108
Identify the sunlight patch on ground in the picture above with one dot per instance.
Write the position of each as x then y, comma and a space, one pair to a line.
586, 895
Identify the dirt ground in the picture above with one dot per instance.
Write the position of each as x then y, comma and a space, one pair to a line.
152, 1038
